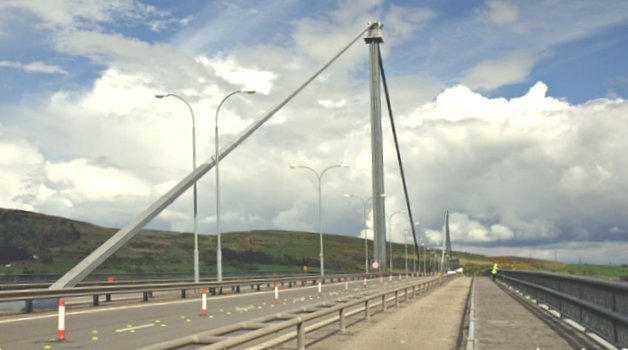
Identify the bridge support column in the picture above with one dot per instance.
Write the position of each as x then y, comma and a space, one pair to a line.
373, 38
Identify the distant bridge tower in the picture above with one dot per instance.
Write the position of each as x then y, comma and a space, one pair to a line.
445, 256
373, 38
447, 240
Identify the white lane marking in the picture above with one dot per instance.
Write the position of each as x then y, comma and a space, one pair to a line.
134, 328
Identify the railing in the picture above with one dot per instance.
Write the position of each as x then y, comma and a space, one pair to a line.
600, 306
28, 295
224, 338
125, 280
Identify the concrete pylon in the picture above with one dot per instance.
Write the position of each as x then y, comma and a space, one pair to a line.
373, 38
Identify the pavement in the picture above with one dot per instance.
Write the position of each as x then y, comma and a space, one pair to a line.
430, 321
503, 323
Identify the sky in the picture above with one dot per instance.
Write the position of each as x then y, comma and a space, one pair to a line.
512, 115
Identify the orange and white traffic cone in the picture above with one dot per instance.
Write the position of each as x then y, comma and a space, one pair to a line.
204, 302
61, 323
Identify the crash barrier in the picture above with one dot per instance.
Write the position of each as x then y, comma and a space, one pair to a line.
600, 306
238, 334
147, 289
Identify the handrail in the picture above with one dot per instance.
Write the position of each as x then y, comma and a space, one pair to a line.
601, 306
263, 326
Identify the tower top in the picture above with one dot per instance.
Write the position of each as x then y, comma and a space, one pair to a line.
374, 33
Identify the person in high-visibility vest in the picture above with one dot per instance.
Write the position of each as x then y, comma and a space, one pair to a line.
494, 271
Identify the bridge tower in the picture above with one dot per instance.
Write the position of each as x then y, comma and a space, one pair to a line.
447, 242
373, 38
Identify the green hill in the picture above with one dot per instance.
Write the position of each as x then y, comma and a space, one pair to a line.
38, 243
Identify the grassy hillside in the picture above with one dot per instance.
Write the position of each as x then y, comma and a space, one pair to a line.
37, 243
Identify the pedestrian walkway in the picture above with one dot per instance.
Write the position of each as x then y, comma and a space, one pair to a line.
503, 323
429, 322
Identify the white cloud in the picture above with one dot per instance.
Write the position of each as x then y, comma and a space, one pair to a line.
34, 67
250, 79
502, 12
616, 229
510, 69
18, 160
72, 14
520, 171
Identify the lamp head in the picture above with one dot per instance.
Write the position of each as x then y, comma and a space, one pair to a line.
250, 92
294, 166
160, 96
344, 165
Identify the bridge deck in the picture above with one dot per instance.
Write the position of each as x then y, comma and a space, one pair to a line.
503, 323
430, 322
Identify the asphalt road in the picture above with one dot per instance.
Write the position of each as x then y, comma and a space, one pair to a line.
137, 325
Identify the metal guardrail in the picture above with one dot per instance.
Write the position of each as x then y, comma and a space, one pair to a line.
600, 306
225, 338
28, 295
103, 281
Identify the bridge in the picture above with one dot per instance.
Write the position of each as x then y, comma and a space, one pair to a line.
442, 310
526, 310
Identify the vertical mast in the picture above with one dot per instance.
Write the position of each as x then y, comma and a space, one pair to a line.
373, 38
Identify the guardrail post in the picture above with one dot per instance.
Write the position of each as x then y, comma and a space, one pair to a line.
145, 296
28, 306
384, 302
300, 336
258, 287
95, 300
367, 314
405, 294
183, 295
397, 298
107, 297
237, 289
413, 292
341, 316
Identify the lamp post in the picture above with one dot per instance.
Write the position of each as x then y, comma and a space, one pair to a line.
219, 244
320, 205
405, 239
366, 244
390, 240
196, 272
424, 253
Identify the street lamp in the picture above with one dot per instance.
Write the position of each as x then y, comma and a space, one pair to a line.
217, 160
405, 239
390, 240
366, 244
424, 262
320, 204
196, 273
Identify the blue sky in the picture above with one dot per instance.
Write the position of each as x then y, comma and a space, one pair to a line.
512, 115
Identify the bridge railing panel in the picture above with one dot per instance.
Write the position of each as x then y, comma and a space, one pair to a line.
600, 306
